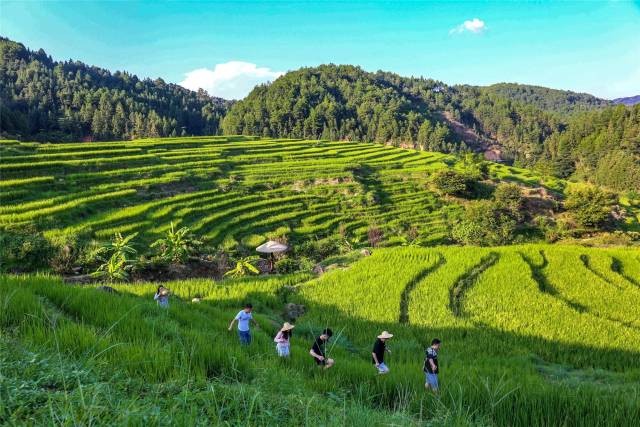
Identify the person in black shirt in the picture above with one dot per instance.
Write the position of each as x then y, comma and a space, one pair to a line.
431, 366
318, 350
377, 355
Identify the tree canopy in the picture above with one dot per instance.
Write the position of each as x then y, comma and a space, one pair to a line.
43, 99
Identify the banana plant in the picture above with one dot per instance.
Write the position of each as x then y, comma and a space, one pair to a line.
244, 267
177, 245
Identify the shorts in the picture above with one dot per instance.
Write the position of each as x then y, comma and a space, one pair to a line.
382, 368
283, 350
245, 337
432, 380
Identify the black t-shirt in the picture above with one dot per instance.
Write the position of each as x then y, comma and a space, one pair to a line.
432, 354
319, 349
378, 348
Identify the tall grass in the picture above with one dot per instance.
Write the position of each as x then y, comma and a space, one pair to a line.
502, 362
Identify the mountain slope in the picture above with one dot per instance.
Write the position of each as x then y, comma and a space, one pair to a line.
558, 101
629, 100
347, 103
506, 122
48, 100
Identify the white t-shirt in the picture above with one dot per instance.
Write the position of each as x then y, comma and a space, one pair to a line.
243, 319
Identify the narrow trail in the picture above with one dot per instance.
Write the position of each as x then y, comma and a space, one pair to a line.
586, 261
466, 282
618, 268
406, 293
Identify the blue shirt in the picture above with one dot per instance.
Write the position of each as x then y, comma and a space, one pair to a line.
243, 319
163, 300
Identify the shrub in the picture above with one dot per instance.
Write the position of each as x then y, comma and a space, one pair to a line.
67, 249
508, 198
23, 250
483, 224
375, 235
475, 166
450, 182
319, 249
589, 205
286, 265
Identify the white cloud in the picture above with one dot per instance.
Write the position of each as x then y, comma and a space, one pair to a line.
474, 25
231, 80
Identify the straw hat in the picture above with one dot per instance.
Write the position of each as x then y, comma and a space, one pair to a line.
385, 335
287, 326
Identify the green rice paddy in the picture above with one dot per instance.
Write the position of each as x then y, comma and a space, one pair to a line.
532, 335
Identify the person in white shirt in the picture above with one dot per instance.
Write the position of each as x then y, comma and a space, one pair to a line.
244, 317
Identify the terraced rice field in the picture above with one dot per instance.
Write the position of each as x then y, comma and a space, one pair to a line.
532, 335
224, 188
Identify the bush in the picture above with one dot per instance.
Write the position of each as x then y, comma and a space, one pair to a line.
450, 182
23, 250
475, 166
484, 224
589, 206
320, 248
286, 265
508, 198
375, 235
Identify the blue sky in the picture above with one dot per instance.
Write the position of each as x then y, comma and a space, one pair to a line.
227, 47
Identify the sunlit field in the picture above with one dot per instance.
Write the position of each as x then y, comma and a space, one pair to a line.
237, 189
532, 335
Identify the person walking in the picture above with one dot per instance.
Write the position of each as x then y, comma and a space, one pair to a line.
244, 317
431, 368
318, 350
282, 339
379, 348
162, 297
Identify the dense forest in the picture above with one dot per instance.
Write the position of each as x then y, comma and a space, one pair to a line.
560, 133
344, 102
599, 146
42, 99
559, 101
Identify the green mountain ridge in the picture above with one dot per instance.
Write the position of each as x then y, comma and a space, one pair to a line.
561, 133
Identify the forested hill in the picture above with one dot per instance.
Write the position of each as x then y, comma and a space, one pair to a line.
348, 103
44, 99
558, 132
554, 100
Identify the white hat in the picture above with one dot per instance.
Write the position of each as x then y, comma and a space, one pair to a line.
385, 335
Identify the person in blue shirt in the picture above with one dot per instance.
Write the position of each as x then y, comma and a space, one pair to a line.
162, 297
244, 318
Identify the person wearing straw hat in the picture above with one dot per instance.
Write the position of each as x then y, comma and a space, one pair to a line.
282, 339
379, 348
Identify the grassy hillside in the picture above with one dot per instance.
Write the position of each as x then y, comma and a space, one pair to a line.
533, 335
229, 190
